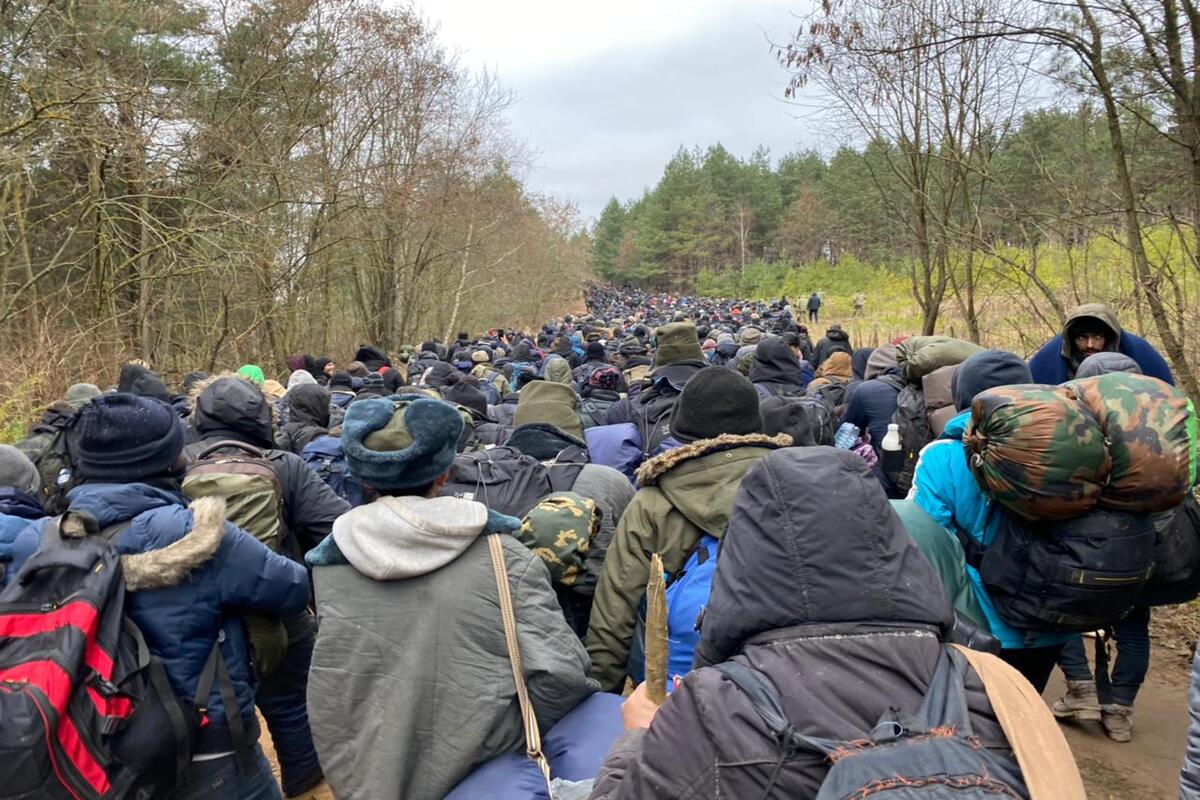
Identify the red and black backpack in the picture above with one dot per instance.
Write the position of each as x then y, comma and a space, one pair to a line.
87, 711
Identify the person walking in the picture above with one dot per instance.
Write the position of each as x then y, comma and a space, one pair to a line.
814, 307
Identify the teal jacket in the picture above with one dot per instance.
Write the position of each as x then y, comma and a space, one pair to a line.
945, 488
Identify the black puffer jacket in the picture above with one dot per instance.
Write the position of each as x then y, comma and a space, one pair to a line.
231, 408
308, 417
776, 370
835, 340
845, 632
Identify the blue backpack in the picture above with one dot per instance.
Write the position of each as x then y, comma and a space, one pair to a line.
324, 456
488, 387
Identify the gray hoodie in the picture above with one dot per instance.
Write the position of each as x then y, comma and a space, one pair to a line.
410, 686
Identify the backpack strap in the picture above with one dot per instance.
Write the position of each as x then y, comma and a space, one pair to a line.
226, 444
215, 671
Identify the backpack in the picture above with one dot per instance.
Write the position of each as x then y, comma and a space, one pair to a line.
687, 595
593, 409
653, 420
906, 754
833, 392
324, 456
488, 387
1066, 576
88, 711
915, 433
49, 450
808, 420
1176, 576
248, 483
635, 374
506, 480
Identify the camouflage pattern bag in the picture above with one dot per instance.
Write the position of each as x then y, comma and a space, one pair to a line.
1151, 431
1037, 451
559, 531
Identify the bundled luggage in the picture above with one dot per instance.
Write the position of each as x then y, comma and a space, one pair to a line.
1037, 451
1150, 427
920, 355
506, 480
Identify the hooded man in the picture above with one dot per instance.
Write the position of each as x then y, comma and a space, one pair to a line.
945, 488
189, 576
845, 634
232, 408
872, 404
835, 340
411, 638
142, 381
308, 417
20, 485
776, 370
686, 492
1090, 329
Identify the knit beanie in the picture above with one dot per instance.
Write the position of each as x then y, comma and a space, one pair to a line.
297, 378
405, 442
123, 438
677, 342
17, 471
552, 403
1104, 363
254, 374
373, 382
341, 380
714, 402
81, 393
595, 351
987, 370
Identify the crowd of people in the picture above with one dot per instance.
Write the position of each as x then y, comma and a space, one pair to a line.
426, 571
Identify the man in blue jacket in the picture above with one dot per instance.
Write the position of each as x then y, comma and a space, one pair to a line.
19, 505
1093, 328
189, 574
945, 488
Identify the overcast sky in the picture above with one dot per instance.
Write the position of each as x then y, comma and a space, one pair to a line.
608, 91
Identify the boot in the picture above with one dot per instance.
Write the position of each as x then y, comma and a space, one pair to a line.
1118, 721
1080, 702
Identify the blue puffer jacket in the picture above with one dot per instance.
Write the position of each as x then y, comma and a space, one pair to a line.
1049, 365
945, 488
180, 616
18, 538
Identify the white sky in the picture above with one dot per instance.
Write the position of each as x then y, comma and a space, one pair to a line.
608, 91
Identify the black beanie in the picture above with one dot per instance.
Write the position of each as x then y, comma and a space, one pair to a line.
595, 351
714, 402
341, 380
124, 438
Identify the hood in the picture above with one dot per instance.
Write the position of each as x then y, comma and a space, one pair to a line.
372, 358
308, 404
774, 362
551, 403
728, 348
837, 366
542, 441
438, 375
136, 379
858, 362
231, 408
15, 503
985, 370
837, 335
1104, 363
403, 537
111, 503
1092, 311
700, 479
300, 377
558, 370
777, 568
523, 351
880, 361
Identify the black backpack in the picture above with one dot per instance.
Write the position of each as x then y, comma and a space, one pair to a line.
652, 416
915, 432
506, 480
1072, 576
1176, 575
809, 421
930, 753
87, 710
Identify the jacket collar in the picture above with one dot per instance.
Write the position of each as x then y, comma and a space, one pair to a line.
649, 473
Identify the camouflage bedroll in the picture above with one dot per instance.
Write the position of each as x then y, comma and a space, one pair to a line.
1150, 427
1037, 451
920, 355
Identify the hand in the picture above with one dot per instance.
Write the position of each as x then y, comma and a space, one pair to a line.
330, 368
638, 710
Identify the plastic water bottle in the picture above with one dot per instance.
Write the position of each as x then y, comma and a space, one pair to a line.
892, 456
846, 436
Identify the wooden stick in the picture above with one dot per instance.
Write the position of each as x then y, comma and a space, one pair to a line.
656, 632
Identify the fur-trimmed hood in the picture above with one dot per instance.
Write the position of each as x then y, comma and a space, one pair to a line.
649, 473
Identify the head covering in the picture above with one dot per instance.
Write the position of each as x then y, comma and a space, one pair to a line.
357, 369
81, 393
308, 405
396, 443
882, 359
676, 343
751, 335
559, 530
481, 355
372, 386
341, 380
298, 377
607, 378
859, 361
273, 389
1104, 363
17, 471
297, 361
774, 362
464, 393
595, 351
786, 506
551, 403
987, 370
140, 380
714, 402
254, 374
837, 366
631, 346
372, 358
558, 370
123, 438
233, 408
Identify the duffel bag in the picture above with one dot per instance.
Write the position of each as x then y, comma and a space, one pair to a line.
1037, 451
1151, 431
920, 355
